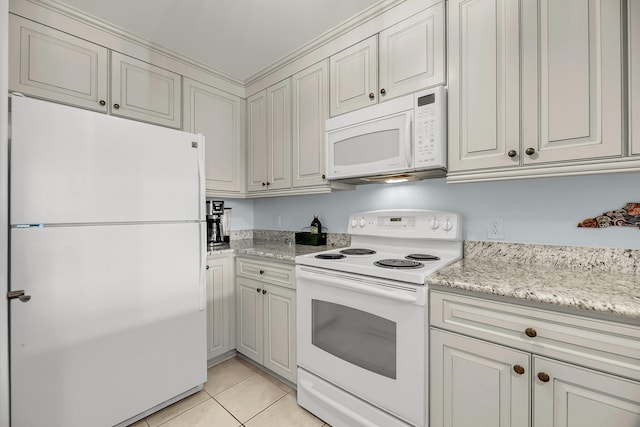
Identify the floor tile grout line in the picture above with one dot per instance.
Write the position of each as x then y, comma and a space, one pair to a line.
228, 411
268, 407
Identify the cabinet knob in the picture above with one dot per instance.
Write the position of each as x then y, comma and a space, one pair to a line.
103, 102
324, 176
371, 96
268, 183
116, 106
531, 333
261, 271
383, 92
207, 267
512, 153
530, 151
264, 183
518, 369
264, 291
543, 376
258, 290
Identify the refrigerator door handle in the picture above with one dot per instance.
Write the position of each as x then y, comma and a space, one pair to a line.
201, 176
19, 295
203, 263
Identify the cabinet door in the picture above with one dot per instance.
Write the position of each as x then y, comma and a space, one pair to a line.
633, 10
574, 396
257, 141
474, 383
220, 307
144, 92
571, 80
310, 111
484, 84
249, 308
412, 53
354, 77
218, 116
279, 135
280, 331
49, 64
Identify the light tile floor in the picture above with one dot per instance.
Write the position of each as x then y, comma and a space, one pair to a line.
236, 394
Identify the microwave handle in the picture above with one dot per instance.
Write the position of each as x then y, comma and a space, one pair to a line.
409, 140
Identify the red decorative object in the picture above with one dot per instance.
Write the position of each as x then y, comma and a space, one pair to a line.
628, 216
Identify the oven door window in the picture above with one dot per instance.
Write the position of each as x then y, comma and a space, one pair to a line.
355, 336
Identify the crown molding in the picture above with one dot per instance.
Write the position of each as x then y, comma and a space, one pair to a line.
330, 35
85, 18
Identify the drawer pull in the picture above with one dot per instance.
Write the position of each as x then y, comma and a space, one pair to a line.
531, 333
258, 290
544, 377
518, 369
261, 271
264, 291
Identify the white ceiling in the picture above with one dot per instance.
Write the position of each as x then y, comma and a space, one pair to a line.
238, 37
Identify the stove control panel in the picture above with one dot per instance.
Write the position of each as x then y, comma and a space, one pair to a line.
408, 223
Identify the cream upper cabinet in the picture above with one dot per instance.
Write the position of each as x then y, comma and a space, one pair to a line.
145, 92
412, 54
310, 111
542, 84
567, 396
269, 138
633, 10
257, 141
50, 64
483, 76
409, 56
354, 77
572, 88
219, 117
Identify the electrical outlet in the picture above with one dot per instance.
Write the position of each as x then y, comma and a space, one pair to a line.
495, 228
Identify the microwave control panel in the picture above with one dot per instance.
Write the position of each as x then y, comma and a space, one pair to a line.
430, 128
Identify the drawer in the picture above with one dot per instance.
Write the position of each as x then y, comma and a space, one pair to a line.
268, 272
599, 344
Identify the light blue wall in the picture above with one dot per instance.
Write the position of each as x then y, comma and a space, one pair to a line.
241, 213
544, 211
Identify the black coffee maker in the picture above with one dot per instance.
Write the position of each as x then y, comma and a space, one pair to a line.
215, 228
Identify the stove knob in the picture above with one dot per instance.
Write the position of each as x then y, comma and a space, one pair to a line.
363, 222
354, 222
434, 224
447, 225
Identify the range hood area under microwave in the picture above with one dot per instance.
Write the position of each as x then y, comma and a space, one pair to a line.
397, 140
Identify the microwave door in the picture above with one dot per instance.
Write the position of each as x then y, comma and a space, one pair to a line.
371, 148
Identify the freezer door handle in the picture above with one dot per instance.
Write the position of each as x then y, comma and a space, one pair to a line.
18, 294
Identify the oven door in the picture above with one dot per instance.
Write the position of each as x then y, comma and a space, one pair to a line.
374, 147
365, 335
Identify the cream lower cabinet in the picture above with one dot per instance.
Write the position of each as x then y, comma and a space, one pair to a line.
473, 383
219, 116
266, 322
220, 306
499, 364
534, 82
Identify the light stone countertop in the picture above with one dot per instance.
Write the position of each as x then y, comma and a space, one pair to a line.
273, 250
607, 292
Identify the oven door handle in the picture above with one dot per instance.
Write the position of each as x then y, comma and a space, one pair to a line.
362, 421
365, 289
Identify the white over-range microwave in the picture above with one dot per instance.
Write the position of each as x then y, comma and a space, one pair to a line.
400, 139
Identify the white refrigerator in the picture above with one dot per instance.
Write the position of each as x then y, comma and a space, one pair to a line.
107, 242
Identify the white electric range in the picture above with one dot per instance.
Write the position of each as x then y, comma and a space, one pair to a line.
362, 318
